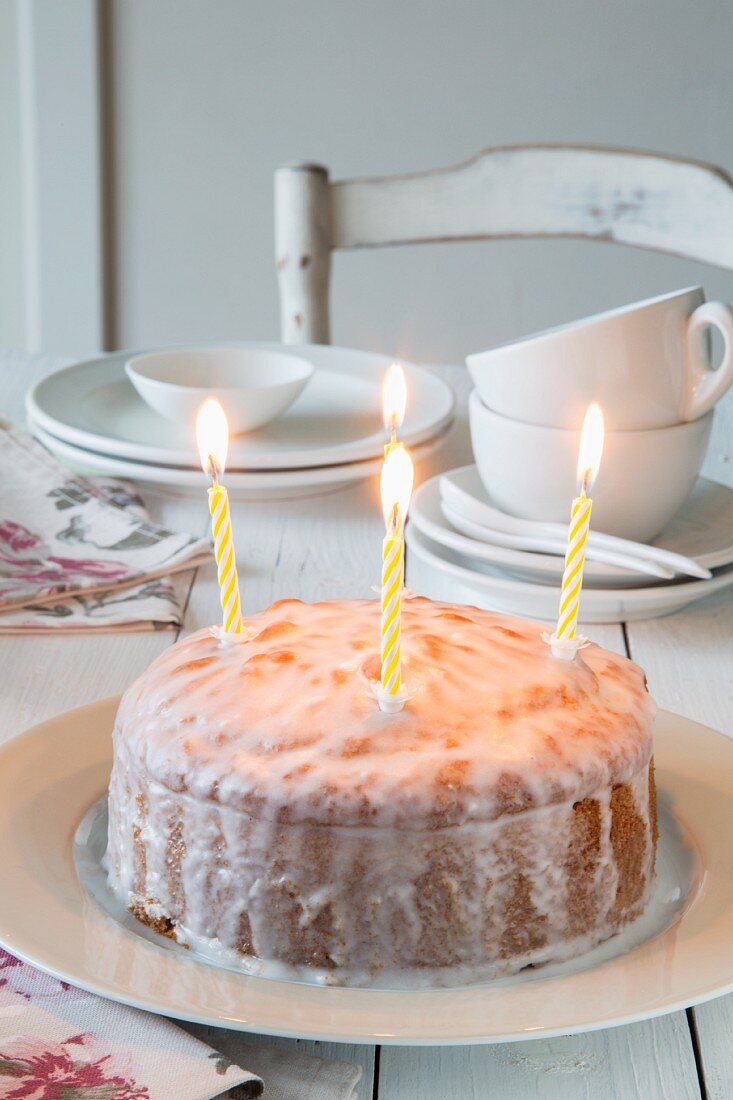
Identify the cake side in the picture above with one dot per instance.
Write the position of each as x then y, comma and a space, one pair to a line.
426, 907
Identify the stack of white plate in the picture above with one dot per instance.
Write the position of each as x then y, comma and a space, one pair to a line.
455, 554
90, 416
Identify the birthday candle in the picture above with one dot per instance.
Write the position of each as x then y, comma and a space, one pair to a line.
396, 487
572, 578
221, 529
392, 584
589, 460
212, 435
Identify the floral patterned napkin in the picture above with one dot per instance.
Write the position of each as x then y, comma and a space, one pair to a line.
61, 1043
80, 555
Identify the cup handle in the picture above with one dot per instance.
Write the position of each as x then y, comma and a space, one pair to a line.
704, 385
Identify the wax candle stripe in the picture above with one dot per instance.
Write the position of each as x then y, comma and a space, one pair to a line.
572, 580
574, 569
392, 581
226, 563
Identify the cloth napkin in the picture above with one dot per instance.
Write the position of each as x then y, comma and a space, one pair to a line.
77, 555
60, 1043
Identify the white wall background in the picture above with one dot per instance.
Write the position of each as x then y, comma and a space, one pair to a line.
12, 320
202, 100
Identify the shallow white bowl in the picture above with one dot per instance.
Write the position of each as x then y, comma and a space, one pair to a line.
645, 476
254, 386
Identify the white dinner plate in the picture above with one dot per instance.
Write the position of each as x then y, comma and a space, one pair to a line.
443, 574
241, 485
702, 529
679, 953
427, 514
337, 419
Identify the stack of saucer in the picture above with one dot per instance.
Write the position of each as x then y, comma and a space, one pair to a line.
92, 417
495, 533
463, 548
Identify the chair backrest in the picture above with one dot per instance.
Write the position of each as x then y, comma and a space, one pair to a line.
629, 197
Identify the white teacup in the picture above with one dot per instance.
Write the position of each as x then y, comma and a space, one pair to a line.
645, 364
644, 479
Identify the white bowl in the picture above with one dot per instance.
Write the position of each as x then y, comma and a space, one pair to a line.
253, 385
645, 476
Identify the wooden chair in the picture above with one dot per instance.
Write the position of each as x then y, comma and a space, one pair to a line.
641, 199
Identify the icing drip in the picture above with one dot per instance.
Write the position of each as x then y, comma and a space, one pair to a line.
353, 902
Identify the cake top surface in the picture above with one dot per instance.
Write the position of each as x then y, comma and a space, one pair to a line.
285, 725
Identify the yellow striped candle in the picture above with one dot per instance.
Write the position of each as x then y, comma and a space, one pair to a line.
572, 578
212, 436
393, 558
564, 642
221, 529
396, 487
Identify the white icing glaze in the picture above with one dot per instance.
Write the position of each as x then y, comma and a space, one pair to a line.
287, 726
383, 920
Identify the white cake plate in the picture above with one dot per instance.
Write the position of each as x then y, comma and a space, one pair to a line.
679, 953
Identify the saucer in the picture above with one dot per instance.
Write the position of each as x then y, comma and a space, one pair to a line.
442, 574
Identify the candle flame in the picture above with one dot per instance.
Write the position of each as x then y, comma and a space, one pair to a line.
394, 397
212, 437
396, 486
591, 447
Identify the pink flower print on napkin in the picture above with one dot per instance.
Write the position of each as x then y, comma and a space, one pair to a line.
16, 537
26, 981
75, 1069
27, 564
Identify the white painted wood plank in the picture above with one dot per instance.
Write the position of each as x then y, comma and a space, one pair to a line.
617, 195
303, 252
648, 1061
238, 1047
714, 1022
59, 80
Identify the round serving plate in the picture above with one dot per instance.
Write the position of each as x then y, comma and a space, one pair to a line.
443, 574
241, 485
679, 953
337, 419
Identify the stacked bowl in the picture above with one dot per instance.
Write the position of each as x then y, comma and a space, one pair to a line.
647, 366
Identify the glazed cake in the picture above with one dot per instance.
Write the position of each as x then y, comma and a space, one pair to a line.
263, 810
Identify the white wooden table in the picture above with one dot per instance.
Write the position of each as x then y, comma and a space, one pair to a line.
329, 546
